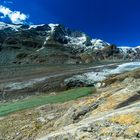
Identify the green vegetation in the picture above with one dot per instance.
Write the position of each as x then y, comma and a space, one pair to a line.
6, 108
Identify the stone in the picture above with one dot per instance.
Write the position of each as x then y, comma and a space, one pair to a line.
98, 85
50, 117
41, 120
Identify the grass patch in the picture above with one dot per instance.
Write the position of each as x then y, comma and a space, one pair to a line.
7, 108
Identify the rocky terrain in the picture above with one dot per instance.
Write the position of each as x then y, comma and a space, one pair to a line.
54, 43
111, 112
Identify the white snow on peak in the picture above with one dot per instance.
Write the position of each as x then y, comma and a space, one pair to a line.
35, 26
77, 40
53, 26
12, 26
15, 27
99, 44
3, 25
124, 49
138, 47
128, 47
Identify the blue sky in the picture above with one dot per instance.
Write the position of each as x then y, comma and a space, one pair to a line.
115, 21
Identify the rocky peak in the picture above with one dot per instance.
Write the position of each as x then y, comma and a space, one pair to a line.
57, 32
130, 52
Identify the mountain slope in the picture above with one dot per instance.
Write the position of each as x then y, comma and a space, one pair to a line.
111, 112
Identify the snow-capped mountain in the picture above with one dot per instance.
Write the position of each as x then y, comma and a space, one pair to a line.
63, 35
130, 52
125, 49
13, 27
54, 43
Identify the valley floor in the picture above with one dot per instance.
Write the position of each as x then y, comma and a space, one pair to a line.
21, 81
110, 111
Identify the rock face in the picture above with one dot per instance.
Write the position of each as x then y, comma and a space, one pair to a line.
54, 43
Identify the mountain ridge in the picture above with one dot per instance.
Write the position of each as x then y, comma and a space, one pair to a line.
41, 43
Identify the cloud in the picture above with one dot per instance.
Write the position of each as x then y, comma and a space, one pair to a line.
15, 17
